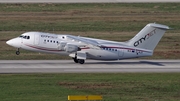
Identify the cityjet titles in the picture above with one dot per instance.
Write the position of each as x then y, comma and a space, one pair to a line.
147, 36
48, 36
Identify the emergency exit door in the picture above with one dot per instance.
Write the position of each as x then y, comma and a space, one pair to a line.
120, 52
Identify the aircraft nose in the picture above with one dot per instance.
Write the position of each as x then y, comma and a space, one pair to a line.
14, 42
9, 42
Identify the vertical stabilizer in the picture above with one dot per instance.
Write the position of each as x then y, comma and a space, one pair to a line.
149, 36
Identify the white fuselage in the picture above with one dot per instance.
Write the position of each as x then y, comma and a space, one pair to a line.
56, 44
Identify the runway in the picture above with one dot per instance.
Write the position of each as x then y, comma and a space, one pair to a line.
91, 66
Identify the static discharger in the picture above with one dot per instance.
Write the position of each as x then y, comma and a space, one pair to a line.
86, 97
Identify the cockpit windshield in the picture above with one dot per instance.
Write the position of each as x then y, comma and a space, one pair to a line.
21, 36
24, 37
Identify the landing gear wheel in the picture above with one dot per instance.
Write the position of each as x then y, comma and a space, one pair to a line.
17, 52
75, 60
81, 61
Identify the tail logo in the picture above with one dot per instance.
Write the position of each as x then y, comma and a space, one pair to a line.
147, 36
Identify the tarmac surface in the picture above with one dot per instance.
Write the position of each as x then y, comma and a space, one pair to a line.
84, 1
91, 66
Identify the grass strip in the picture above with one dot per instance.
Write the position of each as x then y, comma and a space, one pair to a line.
113, 87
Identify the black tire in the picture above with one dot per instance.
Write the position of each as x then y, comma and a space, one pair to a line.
17, 52
75, 60
81, 61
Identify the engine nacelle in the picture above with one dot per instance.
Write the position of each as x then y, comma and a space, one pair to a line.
70, 48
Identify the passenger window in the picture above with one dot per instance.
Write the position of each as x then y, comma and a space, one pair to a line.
47, 40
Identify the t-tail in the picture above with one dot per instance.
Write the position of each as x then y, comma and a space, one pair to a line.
149, 36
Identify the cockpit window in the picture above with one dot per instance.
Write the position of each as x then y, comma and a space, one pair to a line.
24, 37
21, 36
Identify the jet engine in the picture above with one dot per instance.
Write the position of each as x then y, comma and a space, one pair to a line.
70, 48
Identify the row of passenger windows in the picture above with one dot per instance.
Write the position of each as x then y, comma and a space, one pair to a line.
51, 41
110, 49
24, 37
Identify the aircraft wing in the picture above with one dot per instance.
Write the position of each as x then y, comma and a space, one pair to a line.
86, 41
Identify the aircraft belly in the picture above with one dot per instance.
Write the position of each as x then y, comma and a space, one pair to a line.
102, 55
135, 54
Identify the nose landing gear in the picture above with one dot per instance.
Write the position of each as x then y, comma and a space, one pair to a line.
17, 52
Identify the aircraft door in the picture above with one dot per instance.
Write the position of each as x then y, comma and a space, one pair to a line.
21, 42
120, 52
62, 45
36, 39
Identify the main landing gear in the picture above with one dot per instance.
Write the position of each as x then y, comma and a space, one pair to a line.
81, 61
17, 52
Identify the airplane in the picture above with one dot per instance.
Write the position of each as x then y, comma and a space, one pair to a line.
82, 48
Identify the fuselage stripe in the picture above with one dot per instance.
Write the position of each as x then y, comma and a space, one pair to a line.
121, 48
43, 48
48, 49
128, 49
